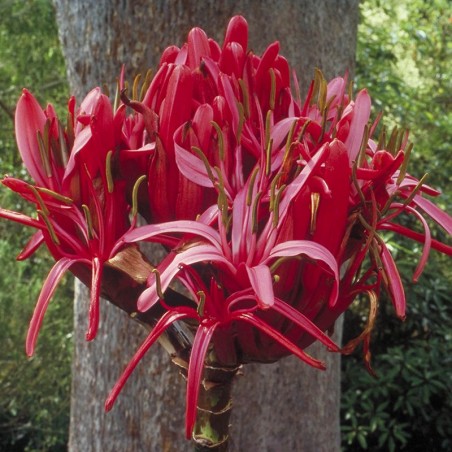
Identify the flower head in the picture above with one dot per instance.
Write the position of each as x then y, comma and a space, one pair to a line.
271, 208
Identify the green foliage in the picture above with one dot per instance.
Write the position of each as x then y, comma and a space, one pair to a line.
30, 57
34, 394
404, 54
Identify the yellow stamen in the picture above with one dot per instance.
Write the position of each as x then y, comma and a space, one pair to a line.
55, 195
201, 303
241, 121
249, 195
254, 217
39, 199
136, 81
108, 175
44, 153
220, 140
158, 283
146, 84
89, 221
203, 157
404, 165
49, 225
136, 186
315, 202
272, 88
246, 98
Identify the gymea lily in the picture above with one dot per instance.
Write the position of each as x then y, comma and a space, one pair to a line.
81, 211
270, 208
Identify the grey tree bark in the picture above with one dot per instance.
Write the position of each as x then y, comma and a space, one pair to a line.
286, 406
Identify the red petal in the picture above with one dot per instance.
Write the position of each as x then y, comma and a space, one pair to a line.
29, 120
262, 283
198, 47
33, 244
195, 368
394, 282
237, 31
165, 321
361, 115
304, 323
281, 339
97, 268
47, 291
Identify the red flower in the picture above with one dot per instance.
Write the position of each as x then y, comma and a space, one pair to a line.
81, 210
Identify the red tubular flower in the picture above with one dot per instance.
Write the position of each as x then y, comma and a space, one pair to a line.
81, 210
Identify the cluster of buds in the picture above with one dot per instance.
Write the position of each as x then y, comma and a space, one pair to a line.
270, 207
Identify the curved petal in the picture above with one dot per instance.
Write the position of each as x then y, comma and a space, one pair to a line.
147, 232
262, 283
192, 167
313, 250
20, 218
438, 215
159, 282
47, 291
33, 244
29, 120
361, 115
97, 268
281, 339
393, 282
195, 368
303, 322
165, 321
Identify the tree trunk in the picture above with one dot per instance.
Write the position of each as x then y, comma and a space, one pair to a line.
283, 406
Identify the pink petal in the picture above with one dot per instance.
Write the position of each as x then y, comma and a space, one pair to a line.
361, 115
165, 321
29, 120
97, 268
198, 47
395, 285
237, 31
300, 181
441, 217
47, 291
195, 368
262, 283
20, 218
313, 250
192, 167
281, 339
171, 267
33, 244
427, 240
146, 233
303, 322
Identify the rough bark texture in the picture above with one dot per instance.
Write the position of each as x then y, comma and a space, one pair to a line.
283, 406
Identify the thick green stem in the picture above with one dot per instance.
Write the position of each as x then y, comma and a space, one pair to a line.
211, 432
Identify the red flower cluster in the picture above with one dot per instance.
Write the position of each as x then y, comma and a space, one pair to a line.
270, 207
